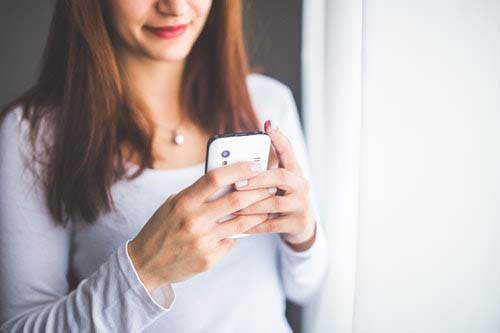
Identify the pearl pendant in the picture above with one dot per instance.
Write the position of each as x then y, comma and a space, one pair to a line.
178, 138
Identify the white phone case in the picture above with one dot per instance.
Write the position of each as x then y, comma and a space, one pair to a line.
227, 149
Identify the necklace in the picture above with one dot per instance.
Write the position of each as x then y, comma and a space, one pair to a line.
176, 136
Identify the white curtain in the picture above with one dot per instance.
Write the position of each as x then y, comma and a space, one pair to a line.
332, 40
402, 118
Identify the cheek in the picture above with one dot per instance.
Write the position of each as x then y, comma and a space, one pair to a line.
128, 15
201, 8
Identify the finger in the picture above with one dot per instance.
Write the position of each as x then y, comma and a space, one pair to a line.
232, 202
222, 176
283, 148
274, 204
238, 225
277, 225
223, 247
277, 178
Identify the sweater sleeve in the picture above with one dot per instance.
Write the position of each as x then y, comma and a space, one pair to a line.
302, 272
35, 259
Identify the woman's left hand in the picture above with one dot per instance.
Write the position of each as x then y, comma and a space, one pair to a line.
295, 222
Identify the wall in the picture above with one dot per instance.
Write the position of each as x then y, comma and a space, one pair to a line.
273, 32
23, 29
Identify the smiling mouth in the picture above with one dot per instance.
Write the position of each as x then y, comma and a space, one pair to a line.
168, 32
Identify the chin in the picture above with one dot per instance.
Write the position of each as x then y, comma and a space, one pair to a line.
177, 54
173, 58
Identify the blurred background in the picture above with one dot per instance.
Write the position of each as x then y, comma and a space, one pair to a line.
400, 102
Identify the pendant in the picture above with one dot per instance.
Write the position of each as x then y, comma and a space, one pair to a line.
178, 138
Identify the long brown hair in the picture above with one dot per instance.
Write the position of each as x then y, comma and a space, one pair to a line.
92, 113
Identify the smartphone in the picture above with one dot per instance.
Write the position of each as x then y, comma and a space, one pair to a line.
226, 149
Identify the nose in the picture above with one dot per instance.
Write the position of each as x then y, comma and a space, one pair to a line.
172, 7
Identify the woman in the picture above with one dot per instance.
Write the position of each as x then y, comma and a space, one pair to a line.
109, 228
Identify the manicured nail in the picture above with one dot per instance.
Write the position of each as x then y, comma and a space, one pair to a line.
272, 190
255, 167
241, 183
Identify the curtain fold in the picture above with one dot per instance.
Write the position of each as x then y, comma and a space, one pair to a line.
332, 103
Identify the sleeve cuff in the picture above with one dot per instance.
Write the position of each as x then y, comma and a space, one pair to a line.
303, 272
289, 251
160, 300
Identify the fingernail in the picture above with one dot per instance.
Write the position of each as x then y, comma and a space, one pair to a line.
241, 183
272, 190
255, 167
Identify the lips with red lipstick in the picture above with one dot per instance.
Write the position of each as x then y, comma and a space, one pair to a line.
169, 31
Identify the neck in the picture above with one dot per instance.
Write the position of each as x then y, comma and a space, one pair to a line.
158, 84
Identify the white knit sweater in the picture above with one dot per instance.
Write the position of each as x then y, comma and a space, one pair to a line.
244, 292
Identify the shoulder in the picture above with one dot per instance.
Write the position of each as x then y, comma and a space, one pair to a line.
262, 85
270, 97
12, 129
13, 154
16, 150
11, 117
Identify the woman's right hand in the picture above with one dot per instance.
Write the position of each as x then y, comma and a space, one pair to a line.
183, 237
